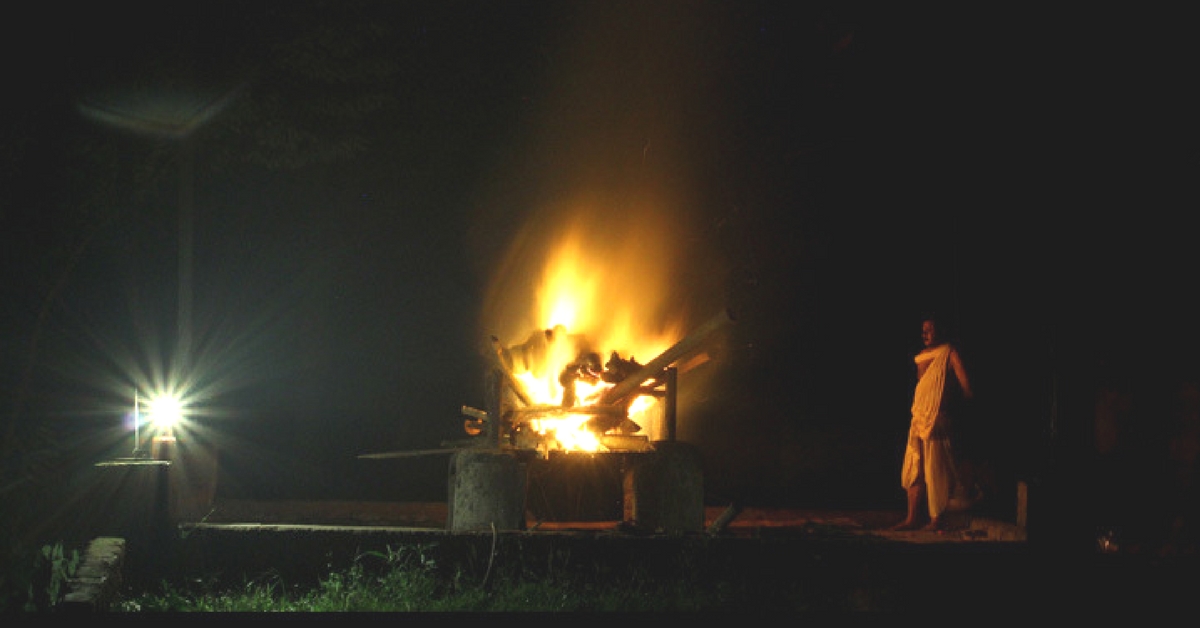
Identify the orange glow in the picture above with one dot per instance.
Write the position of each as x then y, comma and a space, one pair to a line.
569, 431
588, 305
604, 204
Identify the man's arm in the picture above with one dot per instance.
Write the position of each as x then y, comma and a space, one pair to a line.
961, 373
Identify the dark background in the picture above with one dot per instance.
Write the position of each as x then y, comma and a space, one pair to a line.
306, 210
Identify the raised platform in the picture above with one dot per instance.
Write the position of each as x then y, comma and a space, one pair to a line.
961, 527
978, 563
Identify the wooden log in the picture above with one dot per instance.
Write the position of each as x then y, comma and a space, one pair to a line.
499, 364
722, 522
534, 413
655, 367
385, 455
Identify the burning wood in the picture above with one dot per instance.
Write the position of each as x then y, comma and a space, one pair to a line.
503, 365
595, 402
585, 368
690, 343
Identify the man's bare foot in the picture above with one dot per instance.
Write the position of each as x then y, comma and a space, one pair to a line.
934, 525
904, 525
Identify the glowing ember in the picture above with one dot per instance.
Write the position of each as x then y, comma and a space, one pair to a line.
569, 431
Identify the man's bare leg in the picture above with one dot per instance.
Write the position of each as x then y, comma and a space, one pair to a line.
914, 499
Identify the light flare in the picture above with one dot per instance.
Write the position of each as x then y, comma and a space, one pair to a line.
165, 411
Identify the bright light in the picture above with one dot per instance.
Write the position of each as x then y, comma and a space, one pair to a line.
164, 412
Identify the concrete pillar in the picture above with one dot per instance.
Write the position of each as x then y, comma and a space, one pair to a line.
129, 500
486, 488
664, 490
193, 476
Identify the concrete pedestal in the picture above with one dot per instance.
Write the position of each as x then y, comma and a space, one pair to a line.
486, 488
127, 499
193, 476
664, 490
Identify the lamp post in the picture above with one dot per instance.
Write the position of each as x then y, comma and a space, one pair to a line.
137, 425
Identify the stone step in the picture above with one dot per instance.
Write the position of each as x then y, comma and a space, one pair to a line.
97, 580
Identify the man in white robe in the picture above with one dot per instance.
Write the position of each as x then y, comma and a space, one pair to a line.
928, 457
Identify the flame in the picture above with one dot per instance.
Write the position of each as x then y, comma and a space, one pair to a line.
570, 432
604, 210
584, 295
586, 304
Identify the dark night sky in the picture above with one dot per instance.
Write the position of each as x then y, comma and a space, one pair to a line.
828, 173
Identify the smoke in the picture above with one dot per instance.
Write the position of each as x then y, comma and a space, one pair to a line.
607, 162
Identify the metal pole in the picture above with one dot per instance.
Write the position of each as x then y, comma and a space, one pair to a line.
669, 410
137, 423
186, 246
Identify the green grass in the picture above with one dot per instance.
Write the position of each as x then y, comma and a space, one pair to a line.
521, 576
409, 581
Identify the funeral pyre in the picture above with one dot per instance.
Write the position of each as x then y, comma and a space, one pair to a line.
555, 392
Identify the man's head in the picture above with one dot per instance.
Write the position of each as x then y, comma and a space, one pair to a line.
929, 332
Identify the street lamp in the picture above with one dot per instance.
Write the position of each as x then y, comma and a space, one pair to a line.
164, 412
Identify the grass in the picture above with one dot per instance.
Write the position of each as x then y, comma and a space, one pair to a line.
520, 574
408, 580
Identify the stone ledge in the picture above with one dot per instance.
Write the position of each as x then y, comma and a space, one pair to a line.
97, 581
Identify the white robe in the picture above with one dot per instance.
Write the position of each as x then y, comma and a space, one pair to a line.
927, 399
928, 453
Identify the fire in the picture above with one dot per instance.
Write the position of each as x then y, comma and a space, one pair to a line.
591, 332
569, 431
